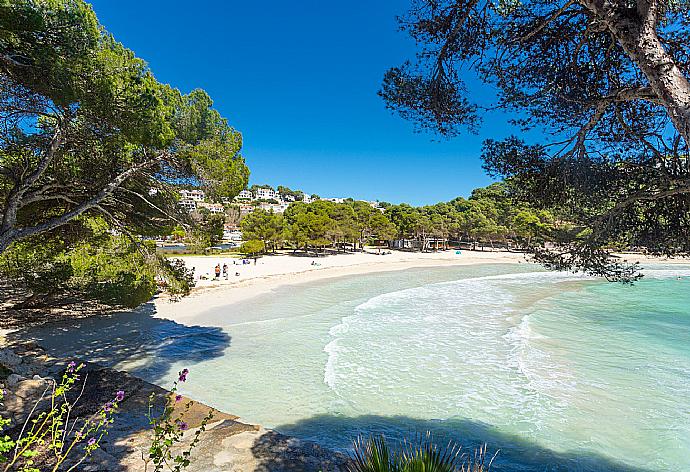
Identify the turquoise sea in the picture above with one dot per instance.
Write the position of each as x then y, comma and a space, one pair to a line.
556, 372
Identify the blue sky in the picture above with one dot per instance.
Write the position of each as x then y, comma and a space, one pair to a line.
299, 80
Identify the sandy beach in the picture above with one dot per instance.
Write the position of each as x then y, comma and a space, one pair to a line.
271, 272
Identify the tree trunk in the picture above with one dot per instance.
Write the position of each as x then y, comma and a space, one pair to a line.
639, 39
7, 238
9, 233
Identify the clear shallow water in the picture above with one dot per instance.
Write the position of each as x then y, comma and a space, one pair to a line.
558, 372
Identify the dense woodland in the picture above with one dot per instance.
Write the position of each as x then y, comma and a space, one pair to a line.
488, 217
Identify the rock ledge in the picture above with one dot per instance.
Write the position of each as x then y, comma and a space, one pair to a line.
26, 372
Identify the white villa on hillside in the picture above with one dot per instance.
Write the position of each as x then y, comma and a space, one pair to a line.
189, 205
190, 198
266, 194
245, 195
194, 195
246, 208
194, 199
212, 207
275, 207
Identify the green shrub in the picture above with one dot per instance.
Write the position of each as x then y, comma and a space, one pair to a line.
113, 271
178, 279
109, 268
42, 266
6, 443
126, 289
253, 246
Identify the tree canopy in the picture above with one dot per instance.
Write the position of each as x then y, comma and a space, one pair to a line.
93, 151
85, 128
288, 192
607, 84
489, 215
264, 226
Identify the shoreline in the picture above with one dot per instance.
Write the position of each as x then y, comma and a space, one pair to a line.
285, 269
275, 271
238, 442
228, 443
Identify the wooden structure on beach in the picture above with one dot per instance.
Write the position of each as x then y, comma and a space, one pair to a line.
426, 244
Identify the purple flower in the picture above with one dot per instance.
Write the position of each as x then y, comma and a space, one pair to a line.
91, 441
182, 425
183, 375
71, 367
108, 406
178, 398
78, 434
120, 395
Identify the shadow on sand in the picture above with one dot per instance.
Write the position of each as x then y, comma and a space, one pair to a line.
515, 454
148, 346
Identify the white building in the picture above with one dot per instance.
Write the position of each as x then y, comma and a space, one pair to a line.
232, 233
266, 194
212, 207
275, 207
246, 208
245, 195
334, 200
194, 195
375, 205
189, 205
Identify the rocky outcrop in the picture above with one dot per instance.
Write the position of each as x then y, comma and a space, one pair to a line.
227, 444
237, 447
25, 375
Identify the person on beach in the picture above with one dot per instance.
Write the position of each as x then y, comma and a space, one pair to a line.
218, 271
255, 260
225, 271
